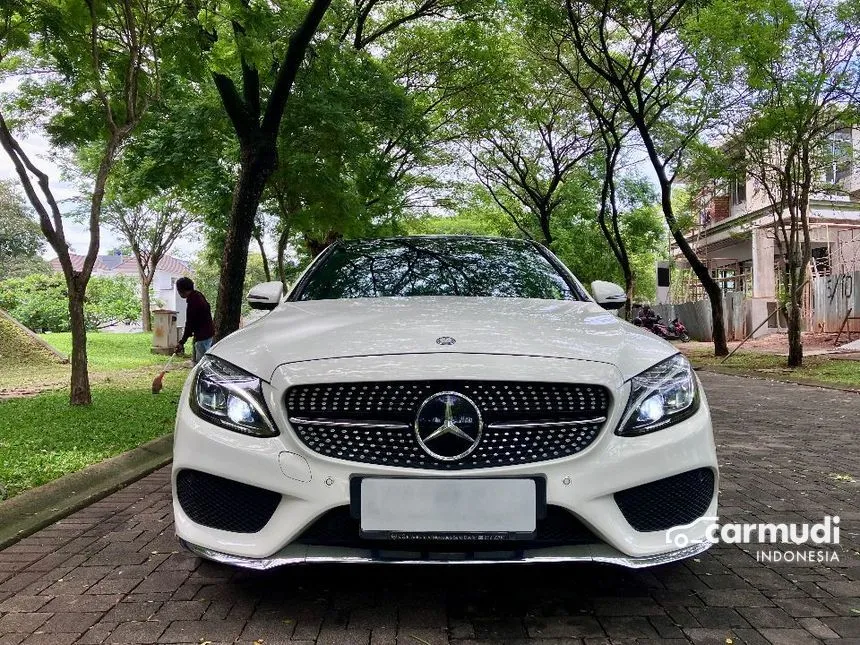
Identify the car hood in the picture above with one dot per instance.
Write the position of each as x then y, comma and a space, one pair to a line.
320, 329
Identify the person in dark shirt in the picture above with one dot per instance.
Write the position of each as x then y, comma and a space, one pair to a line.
198, 319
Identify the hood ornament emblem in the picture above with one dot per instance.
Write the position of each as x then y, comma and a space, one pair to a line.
445, 340
448, 426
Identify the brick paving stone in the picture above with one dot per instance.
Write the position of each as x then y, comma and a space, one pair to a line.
182, 610
845, 626
82, 603
564, 627
76, 623
803, 607
23, 603
743, 636
818, 629
22, 622
43, 638
704, 636
12, 639
97, 634
767, 617
137, 632
113, 572
718, 617
193, 631
789, 636
628, 627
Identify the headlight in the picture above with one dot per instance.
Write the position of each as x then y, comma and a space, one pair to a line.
665, 394
229, 397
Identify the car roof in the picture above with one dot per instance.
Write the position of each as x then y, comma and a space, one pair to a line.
440, 237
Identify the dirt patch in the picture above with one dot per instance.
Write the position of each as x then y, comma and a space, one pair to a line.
778, 343
19, 346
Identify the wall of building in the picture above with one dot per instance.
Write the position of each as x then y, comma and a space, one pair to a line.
698, 320
833, 297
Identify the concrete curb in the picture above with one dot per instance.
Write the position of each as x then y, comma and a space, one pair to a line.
39, 507
766, 376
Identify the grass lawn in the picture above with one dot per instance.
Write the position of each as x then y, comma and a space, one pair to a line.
821, 369
110, 357
42, 437
106, 351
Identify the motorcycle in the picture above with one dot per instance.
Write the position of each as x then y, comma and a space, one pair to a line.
675, 330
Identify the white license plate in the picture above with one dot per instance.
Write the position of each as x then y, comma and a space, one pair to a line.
448, 506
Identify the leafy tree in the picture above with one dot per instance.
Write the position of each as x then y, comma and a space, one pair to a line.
105, 59
578, 239
797, 138
255, 69
644, 54
39, 302
151, 228
207, 277
528, 154
20, 238
332, 166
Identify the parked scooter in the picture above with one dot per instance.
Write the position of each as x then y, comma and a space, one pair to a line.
677, 329
649, 319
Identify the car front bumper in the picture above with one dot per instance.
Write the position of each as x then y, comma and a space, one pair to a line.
311, 485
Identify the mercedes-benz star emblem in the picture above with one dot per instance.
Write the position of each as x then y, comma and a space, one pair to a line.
445, 340
448, 426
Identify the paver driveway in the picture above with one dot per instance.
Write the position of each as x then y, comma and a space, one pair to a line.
113, 573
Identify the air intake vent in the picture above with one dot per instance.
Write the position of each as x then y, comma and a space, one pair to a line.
223, 503
669, 502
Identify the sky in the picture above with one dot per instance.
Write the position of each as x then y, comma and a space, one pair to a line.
38, 150
77, 235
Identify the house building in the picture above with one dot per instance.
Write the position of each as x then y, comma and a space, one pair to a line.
735, 237
163, 287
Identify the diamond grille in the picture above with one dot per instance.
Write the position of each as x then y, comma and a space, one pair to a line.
384, 414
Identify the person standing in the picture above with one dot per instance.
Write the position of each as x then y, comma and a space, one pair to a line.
198, 319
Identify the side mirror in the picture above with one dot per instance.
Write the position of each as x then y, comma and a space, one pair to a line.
266, 295
608, 294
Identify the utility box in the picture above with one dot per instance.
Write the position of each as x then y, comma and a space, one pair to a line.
164, 334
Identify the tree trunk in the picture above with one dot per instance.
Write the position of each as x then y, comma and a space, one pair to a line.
283, 238
795, 346
145, 306
258, 161
80, 383
629, 286
266, 271
544, 220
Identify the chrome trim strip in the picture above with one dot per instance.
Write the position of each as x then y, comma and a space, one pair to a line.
515, 425
344, 423
394, 425
300, 554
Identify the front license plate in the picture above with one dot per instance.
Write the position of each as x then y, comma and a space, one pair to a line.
447, 508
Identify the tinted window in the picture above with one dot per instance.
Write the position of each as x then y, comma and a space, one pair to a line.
436, 267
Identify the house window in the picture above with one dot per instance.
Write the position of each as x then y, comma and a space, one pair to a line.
838, 153
820, 261
739, 189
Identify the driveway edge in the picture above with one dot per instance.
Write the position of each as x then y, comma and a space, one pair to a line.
39, 507
767, 376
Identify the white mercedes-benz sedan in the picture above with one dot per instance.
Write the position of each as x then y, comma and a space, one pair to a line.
442, 399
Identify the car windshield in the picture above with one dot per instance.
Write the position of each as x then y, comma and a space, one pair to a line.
436, 267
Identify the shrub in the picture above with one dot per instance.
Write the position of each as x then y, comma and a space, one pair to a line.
40, 301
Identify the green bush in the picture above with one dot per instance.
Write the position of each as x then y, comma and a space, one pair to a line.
40, 301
